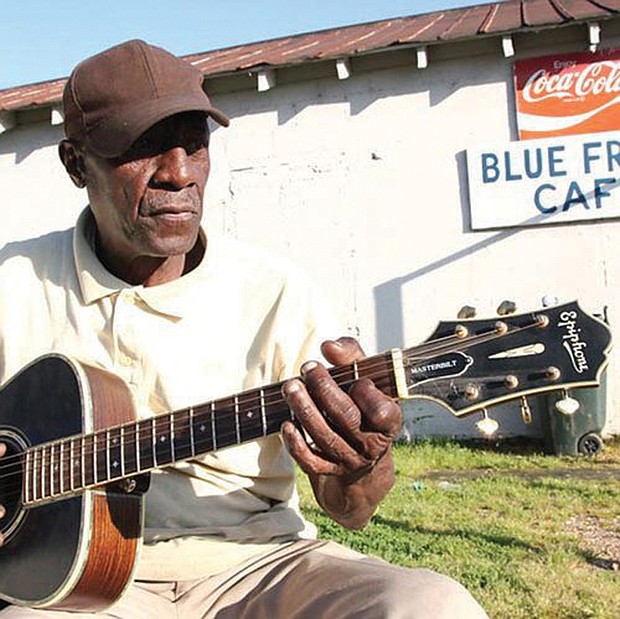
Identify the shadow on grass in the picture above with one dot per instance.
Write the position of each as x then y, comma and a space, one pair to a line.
601, 563
470, 535
517, 446
402, 530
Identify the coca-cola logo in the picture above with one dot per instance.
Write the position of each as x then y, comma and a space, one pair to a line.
566, 94
599, 78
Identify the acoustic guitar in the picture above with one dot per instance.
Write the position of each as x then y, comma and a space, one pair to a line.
78, 460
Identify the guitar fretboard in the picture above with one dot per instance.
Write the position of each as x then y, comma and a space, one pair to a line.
70, 465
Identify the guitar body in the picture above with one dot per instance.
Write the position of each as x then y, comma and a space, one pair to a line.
77, 553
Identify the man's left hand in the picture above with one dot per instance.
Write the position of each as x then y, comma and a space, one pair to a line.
347, 454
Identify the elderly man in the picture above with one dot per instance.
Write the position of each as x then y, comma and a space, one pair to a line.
137, 288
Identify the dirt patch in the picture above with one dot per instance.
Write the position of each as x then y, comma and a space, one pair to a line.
598, 538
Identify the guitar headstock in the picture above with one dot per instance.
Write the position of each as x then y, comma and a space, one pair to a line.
468, 365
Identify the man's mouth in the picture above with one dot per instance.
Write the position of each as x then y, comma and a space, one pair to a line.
173, 213
170, 206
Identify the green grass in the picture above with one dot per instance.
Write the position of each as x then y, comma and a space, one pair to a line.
496, 520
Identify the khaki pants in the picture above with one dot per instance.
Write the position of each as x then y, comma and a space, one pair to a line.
304, 579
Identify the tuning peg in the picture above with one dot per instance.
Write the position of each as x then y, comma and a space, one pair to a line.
486, 425
526, 411
471, 392
567, 405
506, 307
467, 311
602, 314
549, 300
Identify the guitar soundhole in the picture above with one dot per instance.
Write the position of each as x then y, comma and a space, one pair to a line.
11, 483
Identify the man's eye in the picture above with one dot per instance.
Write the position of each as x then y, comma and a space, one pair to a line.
145, 146
195, 146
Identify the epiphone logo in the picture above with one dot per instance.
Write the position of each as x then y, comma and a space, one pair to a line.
572, 341
592, 79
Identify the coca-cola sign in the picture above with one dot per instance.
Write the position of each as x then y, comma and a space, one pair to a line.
568, 94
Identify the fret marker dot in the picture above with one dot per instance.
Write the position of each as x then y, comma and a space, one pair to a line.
202, 428
163, 439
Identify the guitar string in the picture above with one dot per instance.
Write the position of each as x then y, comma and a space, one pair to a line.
15, 461
344, 370
91, 464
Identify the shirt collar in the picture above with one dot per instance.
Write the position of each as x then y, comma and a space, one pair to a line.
96, 282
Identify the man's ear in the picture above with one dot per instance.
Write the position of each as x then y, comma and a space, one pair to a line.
73, 160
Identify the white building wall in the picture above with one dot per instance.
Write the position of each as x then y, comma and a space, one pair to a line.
363, 182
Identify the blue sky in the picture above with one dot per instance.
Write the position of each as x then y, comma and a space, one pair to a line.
42, 39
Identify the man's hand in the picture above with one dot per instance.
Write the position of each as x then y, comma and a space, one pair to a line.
347, 456
2, 510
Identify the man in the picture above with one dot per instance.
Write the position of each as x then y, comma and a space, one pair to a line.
139, 289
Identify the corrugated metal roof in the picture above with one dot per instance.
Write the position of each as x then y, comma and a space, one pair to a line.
431, 28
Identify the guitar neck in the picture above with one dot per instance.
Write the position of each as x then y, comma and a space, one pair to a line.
463, 365
67, 466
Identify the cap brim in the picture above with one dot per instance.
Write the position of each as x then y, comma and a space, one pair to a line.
112, 137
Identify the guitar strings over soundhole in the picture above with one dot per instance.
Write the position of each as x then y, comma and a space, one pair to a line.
11, 483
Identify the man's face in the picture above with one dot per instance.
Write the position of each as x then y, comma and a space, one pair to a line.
147, 203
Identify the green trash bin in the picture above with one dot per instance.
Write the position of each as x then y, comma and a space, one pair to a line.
578, 433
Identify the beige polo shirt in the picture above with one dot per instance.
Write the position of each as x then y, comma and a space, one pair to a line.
238, 321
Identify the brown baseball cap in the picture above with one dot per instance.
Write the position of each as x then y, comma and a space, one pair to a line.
112, 98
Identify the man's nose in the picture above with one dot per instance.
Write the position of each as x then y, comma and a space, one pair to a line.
174, 169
